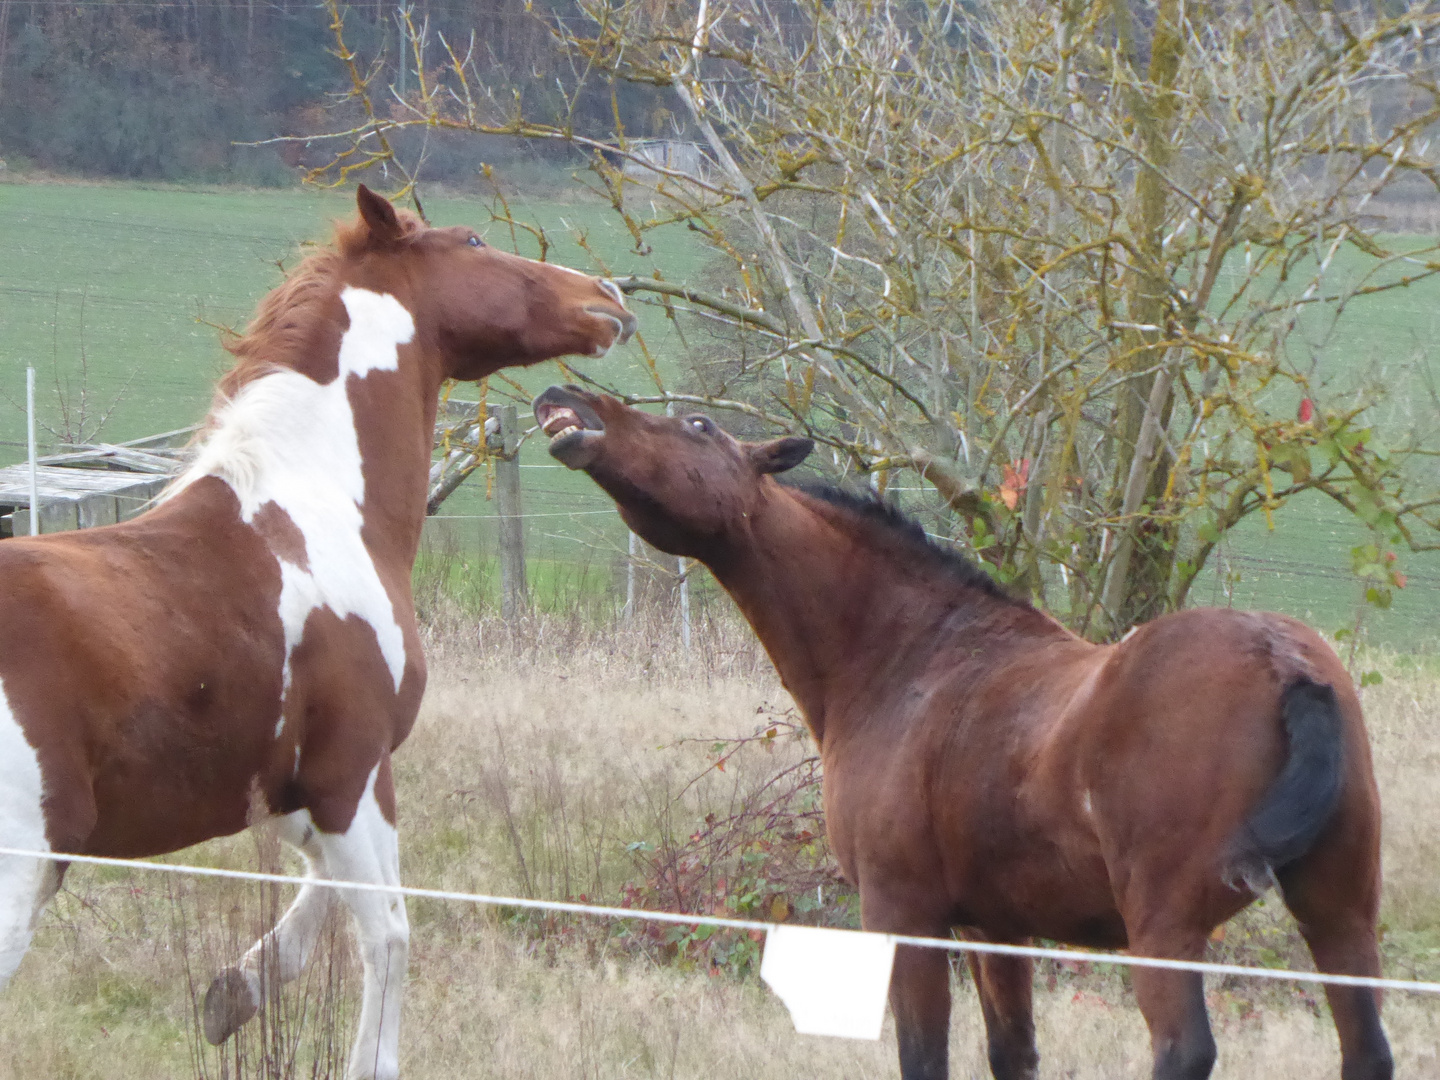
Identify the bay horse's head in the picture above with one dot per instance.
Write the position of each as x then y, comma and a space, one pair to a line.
682, 483
474, 309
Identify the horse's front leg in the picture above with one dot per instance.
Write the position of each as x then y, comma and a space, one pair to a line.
1005, 985
237, 993
919, 986
920, 1000
369, 851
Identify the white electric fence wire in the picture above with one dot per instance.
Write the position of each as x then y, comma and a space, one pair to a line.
1070, 955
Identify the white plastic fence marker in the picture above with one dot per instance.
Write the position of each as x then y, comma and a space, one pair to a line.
834, 982
30, 426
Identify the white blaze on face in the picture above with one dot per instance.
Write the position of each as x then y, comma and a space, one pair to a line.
289, 440
22, 825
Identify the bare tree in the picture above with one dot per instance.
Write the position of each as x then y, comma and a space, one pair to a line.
1050, 256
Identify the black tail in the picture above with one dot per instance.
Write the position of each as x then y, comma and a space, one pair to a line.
1299, 804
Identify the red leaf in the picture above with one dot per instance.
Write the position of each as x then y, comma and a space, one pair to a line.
1013, 482
1307, 411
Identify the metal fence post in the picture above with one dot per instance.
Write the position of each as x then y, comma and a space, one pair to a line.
684, 576
30, 440
684, 603
634, 554
514, 597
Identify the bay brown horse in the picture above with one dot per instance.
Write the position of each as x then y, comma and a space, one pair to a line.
987, 770
251, 639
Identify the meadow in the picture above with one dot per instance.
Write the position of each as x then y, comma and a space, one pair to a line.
558, 759
117, 294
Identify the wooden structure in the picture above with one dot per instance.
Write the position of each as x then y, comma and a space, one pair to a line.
91, 485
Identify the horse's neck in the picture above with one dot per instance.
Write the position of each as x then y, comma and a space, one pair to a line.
350, 455
844, 618
836, 616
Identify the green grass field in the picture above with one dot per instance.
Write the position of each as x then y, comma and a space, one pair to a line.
114, 293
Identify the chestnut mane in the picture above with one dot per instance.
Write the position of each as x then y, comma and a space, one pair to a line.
286, 313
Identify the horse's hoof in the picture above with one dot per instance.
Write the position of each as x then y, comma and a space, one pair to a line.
229, 1003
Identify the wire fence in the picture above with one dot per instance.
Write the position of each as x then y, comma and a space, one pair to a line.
956, 945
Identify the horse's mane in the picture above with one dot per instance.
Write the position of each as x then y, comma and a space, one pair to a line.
874, 511
284, 315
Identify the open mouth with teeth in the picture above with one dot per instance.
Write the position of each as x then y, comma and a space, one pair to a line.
575, 429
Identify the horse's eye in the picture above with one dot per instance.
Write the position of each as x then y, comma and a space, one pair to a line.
475, 241
699, 423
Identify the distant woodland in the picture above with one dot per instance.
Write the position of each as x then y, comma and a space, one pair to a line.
165, 89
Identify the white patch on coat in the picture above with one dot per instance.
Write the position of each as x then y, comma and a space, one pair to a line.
1086, 802
287, 439
25, 884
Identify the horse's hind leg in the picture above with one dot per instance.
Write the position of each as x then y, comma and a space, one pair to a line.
26, 886
1173, 1004
1005, 985
238, 992
1341, 936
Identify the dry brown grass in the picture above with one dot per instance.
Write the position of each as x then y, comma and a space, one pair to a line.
540, 754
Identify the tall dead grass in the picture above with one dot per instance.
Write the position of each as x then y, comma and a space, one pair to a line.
544, 753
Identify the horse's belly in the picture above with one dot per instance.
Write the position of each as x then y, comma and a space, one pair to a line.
1050, 899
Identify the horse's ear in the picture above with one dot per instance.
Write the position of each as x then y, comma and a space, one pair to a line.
780, 454
379, 217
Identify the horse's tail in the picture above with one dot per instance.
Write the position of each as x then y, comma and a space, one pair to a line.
1299, 804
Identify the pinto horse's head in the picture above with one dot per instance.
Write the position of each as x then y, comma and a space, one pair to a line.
483, 309
681, 482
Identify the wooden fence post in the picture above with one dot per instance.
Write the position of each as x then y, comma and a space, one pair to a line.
514, 597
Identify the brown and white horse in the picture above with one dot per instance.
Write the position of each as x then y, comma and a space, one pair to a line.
252, 638
986, 769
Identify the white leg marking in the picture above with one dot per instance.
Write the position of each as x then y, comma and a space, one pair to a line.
26, 885
286, 949
369, 851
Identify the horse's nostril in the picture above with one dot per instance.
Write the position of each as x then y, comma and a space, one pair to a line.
627, 326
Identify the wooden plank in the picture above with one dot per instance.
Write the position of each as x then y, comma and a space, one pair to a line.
106, 456
66, 484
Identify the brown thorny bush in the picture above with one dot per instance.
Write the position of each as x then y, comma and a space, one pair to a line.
756, 849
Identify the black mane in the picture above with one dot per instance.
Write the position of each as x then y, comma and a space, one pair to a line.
879, 511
